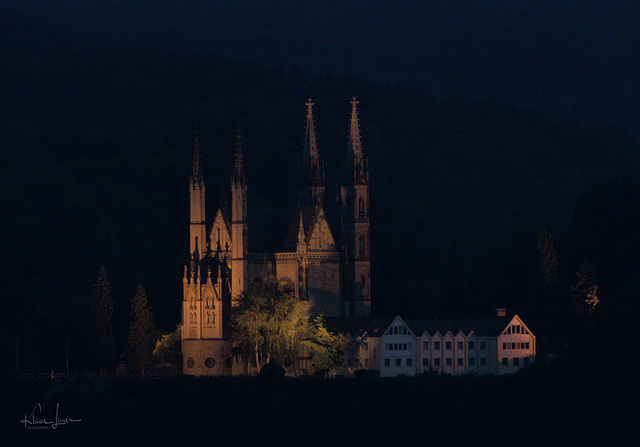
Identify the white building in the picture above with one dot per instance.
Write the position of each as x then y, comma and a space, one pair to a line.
499, 344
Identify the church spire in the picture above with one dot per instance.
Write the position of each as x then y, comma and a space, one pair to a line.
310, 169
310, 154
196, 172
238, 166
355, 146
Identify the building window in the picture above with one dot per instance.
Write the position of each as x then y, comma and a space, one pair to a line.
483, 361
374, 352
361, 207
472, 345
460, 362
483, 345
472, 361
516, 361
448, 346
449, 361
526, 345
504, 346
409, 362
436, 362
461, 345
505, 361
425, 345
404, 346
395, 346
387, 362
425, 362
398, 362
436, 345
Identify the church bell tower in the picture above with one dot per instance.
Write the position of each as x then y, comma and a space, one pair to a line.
354, 205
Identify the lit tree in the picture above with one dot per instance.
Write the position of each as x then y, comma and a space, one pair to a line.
100, 312
169, 346
328, 348
584, 292
142, 333
268, 322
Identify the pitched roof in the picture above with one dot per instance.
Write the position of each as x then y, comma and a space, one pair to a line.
488, 326
373, 326
308, 216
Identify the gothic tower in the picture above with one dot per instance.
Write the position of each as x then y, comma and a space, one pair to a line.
197, 227
238, 223
311, 168
354, 204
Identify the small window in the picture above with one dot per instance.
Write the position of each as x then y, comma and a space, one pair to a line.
483, 361
483, 345
404, 346
505, 361
460, 362
387, 362
526, 345
461, 345
404, 330
472, 345
449, 361
509, 330
398, 362
448, 345
425, 345
516, 361
409, 362
504, 346
517, 329
436, 345
436, 362
425, 362
472, 361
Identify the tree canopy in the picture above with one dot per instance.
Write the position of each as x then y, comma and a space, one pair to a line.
328, 348
268, 322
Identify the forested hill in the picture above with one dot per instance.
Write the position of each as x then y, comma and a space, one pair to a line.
97, 147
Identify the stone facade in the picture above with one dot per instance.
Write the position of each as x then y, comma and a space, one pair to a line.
325, 261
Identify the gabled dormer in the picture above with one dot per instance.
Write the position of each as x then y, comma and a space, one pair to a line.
220, 236
320, 236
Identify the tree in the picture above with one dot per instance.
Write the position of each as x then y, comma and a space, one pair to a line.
268, 322
584, 292
99, 313
328, 348
169, 347
142, 332
547, 259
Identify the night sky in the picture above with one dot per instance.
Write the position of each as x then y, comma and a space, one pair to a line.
483, 120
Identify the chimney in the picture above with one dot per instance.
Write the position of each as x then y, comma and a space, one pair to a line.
500, 312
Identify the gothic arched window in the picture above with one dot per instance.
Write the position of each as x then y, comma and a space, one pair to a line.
362, 247
361, 207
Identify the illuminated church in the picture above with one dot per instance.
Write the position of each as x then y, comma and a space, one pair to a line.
324, 256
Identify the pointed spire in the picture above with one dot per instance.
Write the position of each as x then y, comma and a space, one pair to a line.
301, 235
355, 146
196, 174
310, 154
238, 167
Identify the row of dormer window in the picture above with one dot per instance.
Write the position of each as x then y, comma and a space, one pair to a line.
516, 329
449, 345
518, 345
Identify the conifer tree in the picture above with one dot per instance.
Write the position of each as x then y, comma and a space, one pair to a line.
142, 332
584, 292
100, 330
